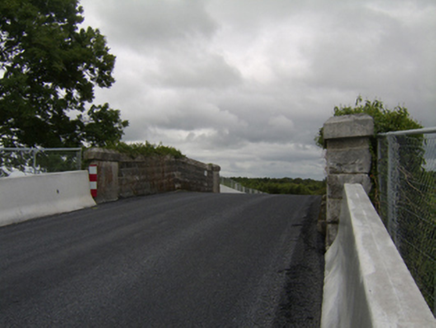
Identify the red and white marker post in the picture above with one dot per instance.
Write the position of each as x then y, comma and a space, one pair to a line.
93, 179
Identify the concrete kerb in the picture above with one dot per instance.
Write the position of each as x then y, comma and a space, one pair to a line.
366, 282
29, 197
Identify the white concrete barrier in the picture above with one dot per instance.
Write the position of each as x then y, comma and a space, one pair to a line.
28, 197
227, 190
366, 282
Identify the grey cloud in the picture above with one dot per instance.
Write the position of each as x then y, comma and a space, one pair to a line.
140, 24
196, 70
278, 160
248, 85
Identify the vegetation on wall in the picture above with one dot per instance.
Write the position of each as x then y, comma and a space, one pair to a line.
385, 120
145, 149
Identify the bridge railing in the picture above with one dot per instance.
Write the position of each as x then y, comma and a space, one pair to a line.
237, 186
407, 184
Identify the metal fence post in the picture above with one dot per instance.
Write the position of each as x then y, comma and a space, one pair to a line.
79, 159
393, 181
34, 152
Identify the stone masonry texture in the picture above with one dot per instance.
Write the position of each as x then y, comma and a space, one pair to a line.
121, 176
348, 161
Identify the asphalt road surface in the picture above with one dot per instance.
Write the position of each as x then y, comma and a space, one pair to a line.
173, 260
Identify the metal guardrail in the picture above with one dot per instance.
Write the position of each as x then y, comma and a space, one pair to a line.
237, 186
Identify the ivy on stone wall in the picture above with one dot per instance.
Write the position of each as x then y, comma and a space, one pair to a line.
385, 120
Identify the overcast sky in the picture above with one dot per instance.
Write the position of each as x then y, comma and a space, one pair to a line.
246, 84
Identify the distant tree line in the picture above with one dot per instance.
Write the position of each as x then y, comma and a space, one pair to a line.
291, 186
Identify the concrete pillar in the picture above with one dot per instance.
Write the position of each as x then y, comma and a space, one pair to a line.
216, 178
348, 161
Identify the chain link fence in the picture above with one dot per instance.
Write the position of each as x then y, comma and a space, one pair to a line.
407, 194
19, 161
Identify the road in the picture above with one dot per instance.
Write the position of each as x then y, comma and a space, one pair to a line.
172, 260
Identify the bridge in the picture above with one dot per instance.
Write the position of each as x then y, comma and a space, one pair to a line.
208, 259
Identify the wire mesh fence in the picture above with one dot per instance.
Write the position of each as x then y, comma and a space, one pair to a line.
15, 161
407, 185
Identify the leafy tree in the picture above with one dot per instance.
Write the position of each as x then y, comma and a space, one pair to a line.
49, 68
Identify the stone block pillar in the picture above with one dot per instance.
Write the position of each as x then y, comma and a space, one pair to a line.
216, 178
348, 161
107, 172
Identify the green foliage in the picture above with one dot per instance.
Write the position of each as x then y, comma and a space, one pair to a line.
57, 161
50, 68
296, 186
104, 127
145, 149
385, 120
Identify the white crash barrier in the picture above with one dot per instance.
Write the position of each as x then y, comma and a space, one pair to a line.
366, 282
28, 197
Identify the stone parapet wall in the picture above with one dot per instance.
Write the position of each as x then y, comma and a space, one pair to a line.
146, 176
348, 161
120, 175
194, 176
